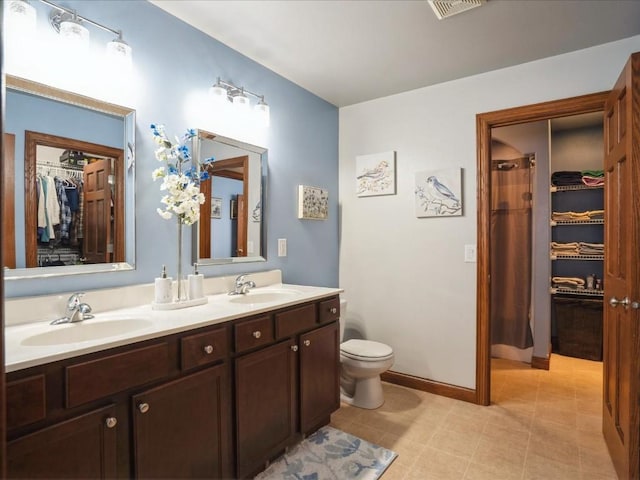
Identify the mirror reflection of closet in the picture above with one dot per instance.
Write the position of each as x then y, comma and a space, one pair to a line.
73, 208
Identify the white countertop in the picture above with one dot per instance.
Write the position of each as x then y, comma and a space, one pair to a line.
25, 345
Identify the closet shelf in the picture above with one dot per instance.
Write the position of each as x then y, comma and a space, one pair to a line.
577, 257
595, 221
569, 188
577, 292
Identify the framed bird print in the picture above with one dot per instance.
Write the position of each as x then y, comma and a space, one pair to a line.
376, 174
439, 193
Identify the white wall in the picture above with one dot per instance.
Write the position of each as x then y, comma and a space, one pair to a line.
404, 277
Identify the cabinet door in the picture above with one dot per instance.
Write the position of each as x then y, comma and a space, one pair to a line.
83, 447
319, 375
182, 428
265, 405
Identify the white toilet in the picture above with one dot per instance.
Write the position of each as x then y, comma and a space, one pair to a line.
361, 363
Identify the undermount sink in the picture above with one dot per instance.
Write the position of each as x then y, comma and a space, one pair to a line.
87, 330
264, 296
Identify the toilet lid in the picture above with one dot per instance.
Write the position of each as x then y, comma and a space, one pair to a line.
366, 349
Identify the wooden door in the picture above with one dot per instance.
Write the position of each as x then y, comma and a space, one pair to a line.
204, 224
182, 429
265, 405
241, 220
319, 376
621, 348
97, 226
83, 447
8, 201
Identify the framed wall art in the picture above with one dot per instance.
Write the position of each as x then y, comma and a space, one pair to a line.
438, 193
376, 174
313, 203
216, 207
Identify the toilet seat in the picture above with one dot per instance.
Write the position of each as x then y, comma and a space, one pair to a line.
366, 350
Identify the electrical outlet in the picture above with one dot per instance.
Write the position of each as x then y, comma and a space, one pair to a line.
282, 247
470, 254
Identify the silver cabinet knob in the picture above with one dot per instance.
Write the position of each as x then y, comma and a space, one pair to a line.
333, 310
294, 348
257, 334
208, 349
614, 302
111, 422
143, 407
307, 343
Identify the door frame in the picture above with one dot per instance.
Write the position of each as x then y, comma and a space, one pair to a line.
484, 123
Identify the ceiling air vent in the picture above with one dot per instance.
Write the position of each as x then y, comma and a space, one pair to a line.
448, 8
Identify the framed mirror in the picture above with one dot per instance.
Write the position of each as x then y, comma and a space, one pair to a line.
71, 161
231, 226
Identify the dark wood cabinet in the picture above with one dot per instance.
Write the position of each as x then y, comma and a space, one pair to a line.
83, 447
215, 402
182, 429
319, 352
265, 405
286, 390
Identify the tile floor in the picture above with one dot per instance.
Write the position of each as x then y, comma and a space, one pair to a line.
540, 425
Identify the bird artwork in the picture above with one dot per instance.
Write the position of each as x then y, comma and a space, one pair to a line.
434, 197
374, 180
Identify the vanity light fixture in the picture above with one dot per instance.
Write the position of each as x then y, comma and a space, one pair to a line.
72, 27
222, 91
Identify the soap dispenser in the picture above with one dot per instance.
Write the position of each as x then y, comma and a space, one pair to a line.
163, 291
195, 281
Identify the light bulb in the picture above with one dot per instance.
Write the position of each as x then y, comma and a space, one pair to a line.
75, 34
119, 52
262, 113
21, 18
218, 93
241, 101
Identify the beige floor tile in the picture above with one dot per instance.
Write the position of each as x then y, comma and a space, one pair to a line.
435, 464
494, 471
542, 468
395, 471
597, 463
461, 444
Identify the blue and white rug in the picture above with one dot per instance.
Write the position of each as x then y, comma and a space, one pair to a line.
330, 454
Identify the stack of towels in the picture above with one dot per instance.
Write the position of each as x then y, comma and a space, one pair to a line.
588, 215
567, 282
576, 248
591, 178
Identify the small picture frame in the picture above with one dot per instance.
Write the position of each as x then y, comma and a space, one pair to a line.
376, 174
438, 193
233, 209
216, 207
313, 203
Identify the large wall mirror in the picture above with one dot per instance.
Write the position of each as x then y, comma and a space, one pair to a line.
231, 227
69, 177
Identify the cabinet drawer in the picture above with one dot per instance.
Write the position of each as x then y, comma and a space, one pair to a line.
204, 348
329, 310
25, 401
253, 333
295, 321
102, 377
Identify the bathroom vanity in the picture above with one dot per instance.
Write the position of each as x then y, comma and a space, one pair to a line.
216, 399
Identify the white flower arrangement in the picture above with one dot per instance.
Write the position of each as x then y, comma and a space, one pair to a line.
181, 176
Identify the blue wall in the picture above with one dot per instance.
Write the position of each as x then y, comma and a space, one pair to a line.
172, 60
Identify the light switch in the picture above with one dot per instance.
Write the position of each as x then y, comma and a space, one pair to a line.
282, 247
470, 254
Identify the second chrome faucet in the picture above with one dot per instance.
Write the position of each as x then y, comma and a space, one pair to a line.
242, 286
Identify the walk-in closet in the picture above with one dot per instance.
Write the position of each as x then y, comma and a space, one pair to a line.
547, 239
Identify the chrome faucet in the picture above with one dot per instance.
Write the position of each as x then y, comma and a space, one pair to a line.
76, 310
242, 286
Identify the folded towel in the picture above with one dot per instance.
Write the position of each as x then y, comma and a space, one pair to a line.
564, 178
571, 282
593, 181
592, 173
